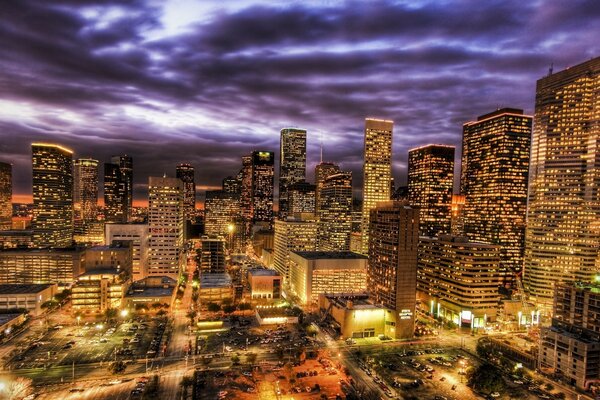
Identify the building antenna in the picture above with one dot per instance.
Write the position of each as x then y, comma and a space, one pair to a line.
551, 69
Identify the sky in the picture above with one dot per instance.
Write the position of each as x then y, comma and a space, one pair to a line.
205, 82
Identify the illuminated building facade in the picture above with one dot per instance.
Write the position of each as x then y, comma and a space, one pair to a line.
563, 221
137, 235
392, 266
457, 221
60, 266
5, 196
85, 193
246, 188
458, 280
263, 179
221, 210
430, 184
125, 164
212, 255
377, 170
185, 172
301, 198
232, 185
99, 290
322, 171
166, 225
52, 195
265, 285
495, 169
115, 194
335, 212
292, 234
316, 272
292, 164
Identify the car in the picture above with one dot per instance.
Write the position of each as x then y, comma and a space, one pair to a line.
495, 394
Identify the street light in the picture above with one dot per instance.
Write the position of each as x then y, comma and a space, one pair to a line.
124, 313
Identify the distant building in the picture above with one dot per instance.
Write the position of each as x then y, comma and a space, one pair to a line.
292, 164
115, 194
5, 196
458, 280
262, 187
495, 169
457, 221
570, 348
265, 284
335, 212
316, 272
29, 297
137, 235
10, 239
301, 198
125, 164
85, 191
60, 266
322, 171
166, 226
150, 291
430, 184
292, 234
392, 270
185, 172
52, 195
212, 255
99, 290
377, 171
221, 211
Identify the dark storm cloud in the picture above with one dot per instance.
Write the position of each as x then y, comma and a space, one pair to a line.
106, 77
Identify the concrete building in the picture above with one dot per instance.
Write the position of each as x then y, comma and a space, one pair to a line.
563, 182
292, 234
99, 290
313, 273
356, 316
335, 212
262, 185
301, 198
322, 171
570, 348
392, 268
292, 165
212, 255
214, 288
115, 256
61, 266
151, 290
221, 210
377, 171
29, 297
138, 236
265, 284
125, 165
458, 280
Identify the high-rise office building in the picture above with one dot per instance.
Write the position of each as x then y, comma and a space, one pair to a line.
232, 185
301, 198
322, 171
392, 265
115, 194
125, 163
138, 236
292, 234
185, 172
292, 164
221, 210
563, 220
5, 196
377, 170
495, 169
335, 213
430, 183
85, 189
263, 179
166, 226
52, 195
246, 188
212, 255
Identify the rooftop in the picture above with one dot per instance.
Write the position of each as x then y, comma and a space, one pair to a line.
215, 280
23, 288
330, 255
263, 272
150, 292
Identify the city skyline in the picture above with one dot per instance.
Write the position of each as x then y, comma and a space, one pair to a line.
124, 76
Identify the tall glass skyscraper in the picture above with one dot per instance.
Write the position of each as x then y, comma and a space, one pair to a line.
292, 164
495, 168
563, 220
85, 191
52, 223
115, 194
263, 175
377, 170
322, 171
185, 172
125, 164
335, 212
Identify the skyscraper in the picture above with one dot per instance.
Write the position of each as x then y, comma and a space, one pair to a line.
430, 183
377, 170
322, 171
125, 163
262, 187
85, 192
301, 198
115, 194
185, 172
52, 222
495, 168
221, 210
166, 226
563, 221
246, 188
292, 234
292, 164
392, 265
5, 196
335, 213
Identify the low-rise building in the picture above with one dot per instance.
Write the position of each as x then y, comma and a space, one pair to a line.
59, 265
214, 288
355, 316
265, 284
275, 316
117, 255
99, 290
28, 297
151, 290
317, 272
212, 255
9, 321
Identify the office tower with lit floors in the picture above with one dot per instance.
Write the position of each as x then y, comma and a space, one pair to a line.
292, 164
263, 180
563, 221
221, 210
52, 195
392, 265
495, 170
430, 184
115, 194
322, 171
185, 172
5, 196
377, 170
301, 198
166, 226
335, 213
292, 234
85, 191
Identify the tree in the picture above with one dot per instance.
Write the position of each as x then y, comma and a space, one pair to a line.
486, 378
192, 316
110, 313
195, 296
235, 359
213, 307
117, 367
228, 309
251, 358
186, 382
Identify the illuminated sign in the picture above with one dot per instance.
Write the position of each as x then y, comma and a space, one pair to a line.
405, 314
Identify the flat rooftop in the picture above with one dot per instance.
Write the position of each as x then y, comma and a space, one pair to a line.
263, 272
330, 255
151, 292
23, 288
215, 281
